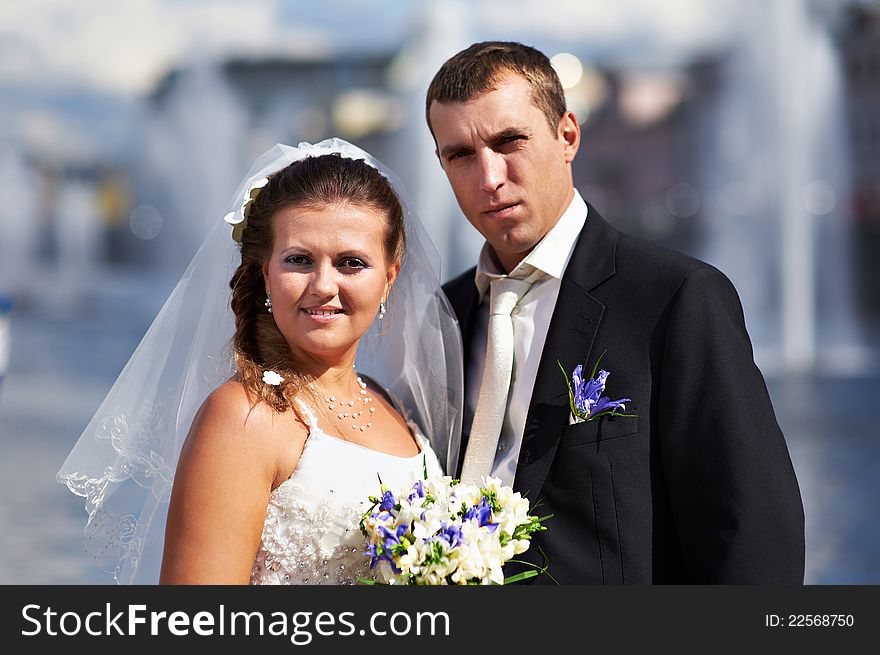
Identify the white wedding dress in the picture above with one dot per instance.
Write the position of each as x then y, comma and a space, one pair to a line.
311, 533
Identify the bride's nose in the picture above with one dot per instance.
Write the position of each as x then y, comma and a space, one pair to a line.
323, 281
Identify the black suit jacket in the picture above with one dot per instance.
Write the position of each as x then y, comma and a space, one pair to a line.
699, 488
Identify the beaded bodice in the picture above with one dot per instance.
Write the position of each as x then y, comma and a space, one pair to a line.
311, 533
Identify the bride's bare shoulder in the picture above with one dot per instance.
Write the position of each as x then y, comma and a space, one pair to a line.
230, 410
236, 440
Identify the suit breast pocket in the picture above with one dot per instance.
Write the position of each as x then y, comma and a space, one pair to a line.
607, 427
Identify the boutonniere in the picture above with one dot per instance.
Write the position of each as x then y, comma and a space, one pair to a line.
585, 395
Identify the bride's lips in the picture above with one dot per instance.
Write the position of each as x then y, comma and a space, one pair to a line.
501, 210
322, 314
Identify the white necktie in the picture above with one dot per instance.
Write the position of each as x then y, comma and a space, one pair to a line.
504, 294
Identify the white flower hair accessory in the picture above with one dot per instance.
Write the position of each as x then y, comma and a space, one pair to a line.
271, 377
238, 219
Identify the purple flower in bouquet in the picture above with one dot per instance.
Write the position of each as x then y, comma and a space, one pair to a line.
482, 514
451, 534
417, 492
388, 503
388, 546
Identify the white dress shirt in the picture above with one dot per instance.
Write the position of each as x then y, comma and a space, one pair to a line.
531, 320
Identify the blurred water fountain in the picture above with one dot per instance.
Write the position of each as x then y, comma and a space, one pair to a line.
5, 334
78, 231
18, 222
193, 158
778, 192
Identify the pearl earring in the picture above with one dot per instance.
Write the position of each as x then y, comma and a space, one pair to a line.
381, 309
268, 304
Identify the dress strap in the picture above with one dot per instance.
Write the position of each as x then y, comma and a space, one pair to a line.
310, 418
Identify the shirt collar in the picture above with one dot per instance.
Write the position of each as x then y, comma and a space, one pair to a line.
544, 257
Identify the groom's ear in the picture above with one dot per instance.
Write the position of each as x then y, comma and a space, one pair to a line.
569, 134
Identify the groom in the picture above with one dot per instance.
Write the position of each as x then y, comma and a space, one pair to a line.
698, 487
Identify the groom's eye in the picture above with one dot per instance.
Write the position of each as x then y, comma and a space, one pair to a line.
457, 155
511, 139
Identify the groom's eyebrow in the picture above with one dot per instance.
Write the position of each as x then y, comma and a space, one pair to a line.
494, 140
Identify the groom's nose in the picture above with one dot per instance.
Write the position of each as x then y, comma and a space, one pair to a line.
492, 170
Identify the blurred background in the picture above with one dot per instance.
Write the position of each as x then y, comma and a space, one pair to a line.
743, 132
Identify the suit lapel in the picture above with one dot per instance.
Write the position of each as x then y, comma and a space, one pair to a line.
465, 301
570, 338
467, 320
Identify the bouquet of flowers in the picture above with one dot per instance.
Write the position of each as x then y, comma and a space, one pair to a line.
441, 532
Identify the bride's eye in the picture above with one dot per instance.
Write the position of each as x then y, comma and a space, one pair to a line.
297, 260
352, 264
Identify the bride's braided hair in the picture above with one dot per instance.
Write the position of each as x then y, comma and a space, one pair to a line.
311, 182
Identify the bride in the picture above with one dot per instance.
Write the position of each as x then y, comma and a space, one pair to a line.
234, 453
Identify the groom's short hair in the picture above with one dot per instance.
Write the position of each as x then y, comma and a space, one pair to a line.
478, 69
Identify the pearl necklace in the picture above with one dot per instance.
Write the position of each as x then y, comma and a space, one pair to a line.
346, 407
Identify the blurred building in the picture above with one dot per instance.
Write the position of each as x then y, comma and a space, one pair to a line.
290, 100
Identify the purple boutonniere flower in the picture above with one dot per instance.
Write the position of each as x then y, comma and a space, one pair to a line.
585, 395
